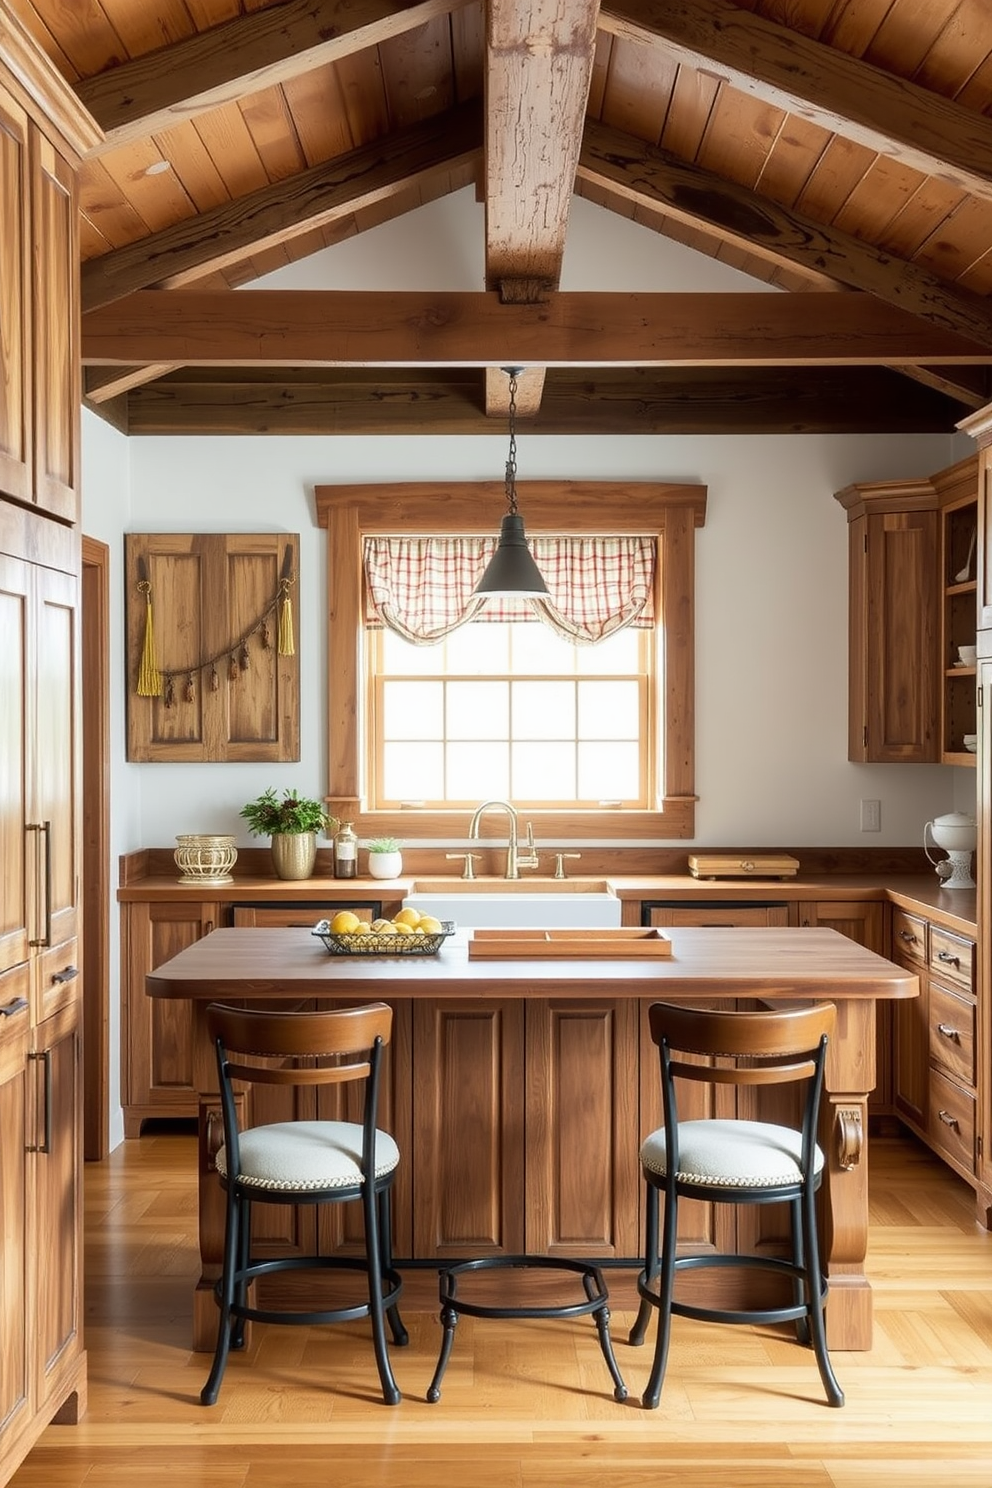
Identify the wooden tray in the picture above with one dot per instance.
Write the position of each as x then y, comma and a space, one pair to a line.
568, 945
748, 865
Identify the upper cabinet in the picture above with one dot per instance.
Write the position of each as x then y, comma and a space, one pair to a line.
39, 279
892, 622
914, 558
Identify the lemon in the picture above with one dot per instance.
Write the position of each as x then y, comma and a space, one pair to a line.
363, 928
345, 923
430, 925
408, 916
400, 927
381, 925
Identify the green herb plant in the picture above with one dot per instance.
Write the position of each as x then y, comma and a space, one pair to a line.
269, 817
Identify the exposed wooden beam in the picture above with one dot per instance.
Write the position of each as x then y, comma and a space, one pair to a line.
644, 174
623, 401
323, 328
888, 114
102, 384
274, 214
226, 62
538, 67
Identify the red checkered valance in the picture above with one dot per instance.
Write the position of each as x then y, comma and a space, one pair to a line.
421, 587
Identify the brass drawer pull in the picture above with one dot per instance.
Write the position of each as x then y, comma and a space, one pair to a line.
909, 937
948, 1119
949, 1032
949, 958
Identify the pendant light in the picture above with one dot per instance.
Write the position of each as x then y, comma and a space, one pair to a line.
512, 572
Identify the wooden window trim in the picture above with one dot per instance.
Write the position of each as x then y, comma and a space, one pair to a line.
668, 511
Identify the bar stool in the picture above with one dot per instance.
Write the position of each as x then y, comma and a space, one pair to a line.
596, 1304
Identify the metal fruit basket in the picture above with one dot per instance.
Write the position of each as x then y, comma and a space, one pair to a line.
382, 942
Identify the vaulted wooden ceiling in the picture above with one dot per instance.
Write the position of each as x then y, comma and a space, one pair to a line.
839, 150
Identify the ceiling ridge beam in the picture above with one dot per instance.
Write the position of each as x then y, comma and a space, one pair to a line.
368, 328
646, 174
174, 84
888, 114
275, 214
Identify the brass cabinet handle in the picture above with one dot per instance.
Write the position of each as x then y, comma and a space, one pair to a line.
45, 1145
949, 958
949, 1032
45, 828
908, 937
948, 1119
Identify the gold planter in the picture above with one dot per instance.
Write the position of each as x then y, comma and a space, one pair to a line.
294, 854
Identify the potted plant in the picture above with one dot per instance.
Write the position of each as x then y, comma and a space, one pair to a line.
293, 824
385, 858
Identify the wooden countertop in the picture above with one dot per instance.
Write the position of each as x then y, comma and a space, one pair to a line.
776, 963
955, 909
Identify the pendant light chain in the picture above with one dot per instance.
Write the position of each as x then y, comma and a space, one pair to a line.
511, 459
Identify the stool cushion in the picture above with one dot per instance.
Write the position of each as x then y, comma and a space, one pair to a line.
741, 1154
305, 1155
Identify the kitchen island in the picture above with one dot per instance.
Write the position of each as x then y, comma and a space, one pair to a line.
519, 1091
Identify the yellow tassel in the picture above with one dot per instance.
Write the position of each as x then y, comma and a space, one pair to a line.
149, 676
287, 646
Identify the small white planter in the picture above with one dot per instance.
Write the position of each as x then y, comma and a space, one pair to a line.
385, 865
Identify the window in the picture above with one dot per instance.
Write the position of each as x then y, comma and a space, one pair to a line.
509, 710
359, 782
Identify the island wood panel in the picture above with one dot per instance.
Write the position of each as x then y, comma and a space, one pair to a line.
582, 1170
468, 1128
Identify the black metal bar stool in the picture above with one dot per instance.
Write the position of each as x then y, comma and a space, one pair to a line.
596, 1304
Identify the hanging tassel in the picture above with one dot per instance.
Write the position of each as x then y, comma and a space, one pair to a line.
243, 662
149, 676
287, 646
190, 692
170, 693
232, 668
214, 679
264, 637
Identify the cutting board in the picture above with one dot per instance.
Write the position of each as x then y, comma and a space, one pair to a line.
568, 945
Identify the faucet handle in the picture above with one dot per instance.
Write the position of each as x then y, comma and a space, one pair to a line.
469, 859
560, 863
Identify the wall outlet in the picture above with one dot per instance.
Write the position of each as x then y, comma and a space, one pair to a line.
871, 816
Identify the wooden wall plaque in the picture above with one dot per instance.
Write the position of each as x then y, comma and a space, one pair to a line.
229, 691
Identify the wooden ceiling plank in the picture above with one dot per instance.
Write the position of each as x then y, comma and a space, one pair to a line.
273, 214
538, 69
687, 191
239, 57
885, 113
365, 328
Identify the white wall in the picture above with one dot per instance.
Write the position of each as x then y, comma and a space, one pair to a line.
771, 596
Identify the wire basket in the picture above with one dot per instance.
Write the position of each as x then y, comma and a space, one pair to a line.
382, 942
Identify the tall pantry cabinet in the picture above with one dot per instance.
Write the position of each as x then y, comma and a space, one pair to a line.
43, 132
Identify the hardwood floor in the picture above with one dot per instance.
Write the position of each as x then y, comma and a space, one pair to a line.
527, 1405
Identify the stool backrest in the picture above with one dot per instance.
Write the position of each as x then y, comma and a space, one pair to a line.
342, 1039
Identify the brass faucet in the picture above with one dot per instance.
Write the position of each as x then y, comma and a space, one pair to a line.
515, 859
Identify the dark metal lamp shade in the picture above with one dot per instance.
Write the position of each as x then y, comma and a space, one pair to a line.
512, 571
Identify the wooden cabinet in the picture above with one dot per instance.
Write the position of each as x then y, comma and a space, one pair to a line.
935, 1073
865, 922
892, 622
16, 1385
714, 912
39, 310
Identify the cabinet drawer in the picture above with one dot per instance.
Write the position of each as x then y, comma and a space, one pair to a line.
952, 1033
909, 938
951, 1124
952, 957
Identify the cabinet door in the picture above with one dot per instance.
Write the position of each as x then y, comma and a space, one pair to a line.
863, 921
301, 916
582, 1125
15, 1380
15, 627
468, 1128
15, 269
718, 913
53, 754
56, 1142
157, 1033
55, 338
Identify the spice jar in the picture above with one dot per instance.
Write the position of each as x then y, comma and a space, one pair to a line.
345, 852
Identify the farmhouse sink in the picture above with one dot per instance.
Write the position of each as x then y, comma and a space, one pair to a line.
518, 904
